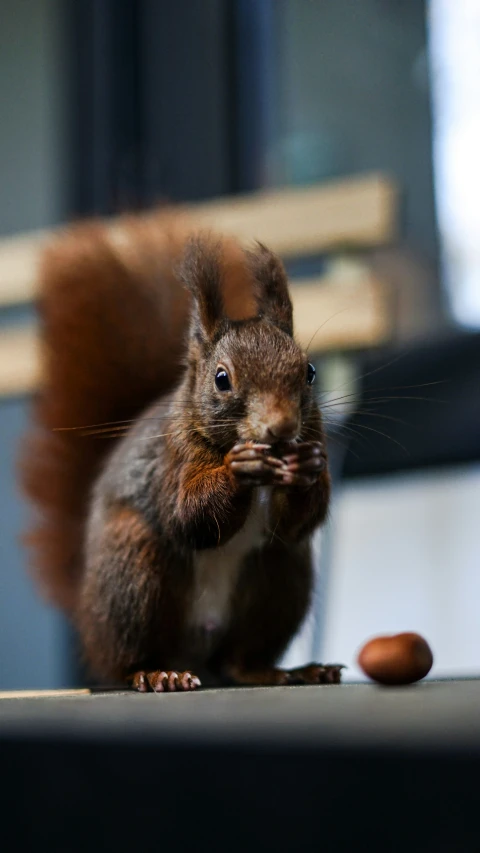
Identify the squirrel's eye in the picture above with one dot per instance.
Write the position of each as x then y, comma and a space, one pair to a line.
311, 372
221, 380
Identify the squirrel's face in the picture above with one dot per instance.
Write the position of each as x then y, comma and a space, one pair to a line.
250, 380
256, 385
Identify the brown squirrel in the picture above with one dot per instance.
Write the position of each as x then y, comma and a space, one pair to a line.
176, 527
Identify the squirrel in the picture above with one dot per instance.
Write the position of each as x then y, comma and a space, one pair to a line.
175, 457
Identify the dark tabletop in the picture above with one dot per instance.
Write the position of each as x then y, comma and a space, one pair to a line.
433, 714
333, 768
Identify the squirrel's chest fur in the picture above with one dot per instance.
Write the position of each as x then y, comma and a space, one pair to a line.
216, 570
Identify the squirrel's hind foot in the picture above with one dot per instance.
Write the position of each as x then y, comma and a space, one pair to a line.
162, 681
316, 673
313, 673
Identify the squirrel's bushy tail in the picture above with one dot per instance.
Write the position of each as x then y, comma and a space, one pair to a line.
112, 322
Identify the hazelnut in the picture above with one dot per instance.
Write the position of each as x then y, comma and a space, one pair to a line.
398, 659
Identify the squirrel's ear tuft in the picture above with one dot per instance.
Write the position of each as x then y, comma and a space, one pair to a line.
272, 287
201, 272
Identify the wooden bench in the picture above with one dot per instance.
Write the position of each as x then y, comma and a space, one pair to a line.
339, 220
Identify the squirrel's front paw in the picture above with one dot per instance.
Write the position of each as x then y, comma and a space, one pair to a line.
303, 463
253, 465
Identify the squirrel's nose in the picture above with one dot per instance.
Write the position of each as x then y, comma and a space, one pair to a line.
285, 429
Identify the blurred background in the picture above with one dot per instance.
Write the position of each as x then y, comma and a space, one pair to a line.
114, 105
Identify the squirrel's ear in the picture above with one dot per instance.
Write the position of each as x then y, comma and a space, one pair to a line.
201, 272
272, 288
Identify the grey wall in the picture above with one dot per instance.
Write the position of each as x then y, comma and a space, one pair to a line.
354, 97
33, 191
33, 184
32, 636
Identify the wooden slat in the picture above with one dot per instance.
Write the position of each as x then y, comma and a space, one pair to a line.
349, 305
360, 211
19, 361
18, 267
336, 313
43, 694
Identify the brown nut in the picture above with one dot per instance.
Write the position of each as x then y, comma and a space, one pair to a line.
400, 659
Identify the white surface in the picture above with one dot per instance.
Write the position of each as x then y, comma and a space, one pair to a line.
454, 33
406, 556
